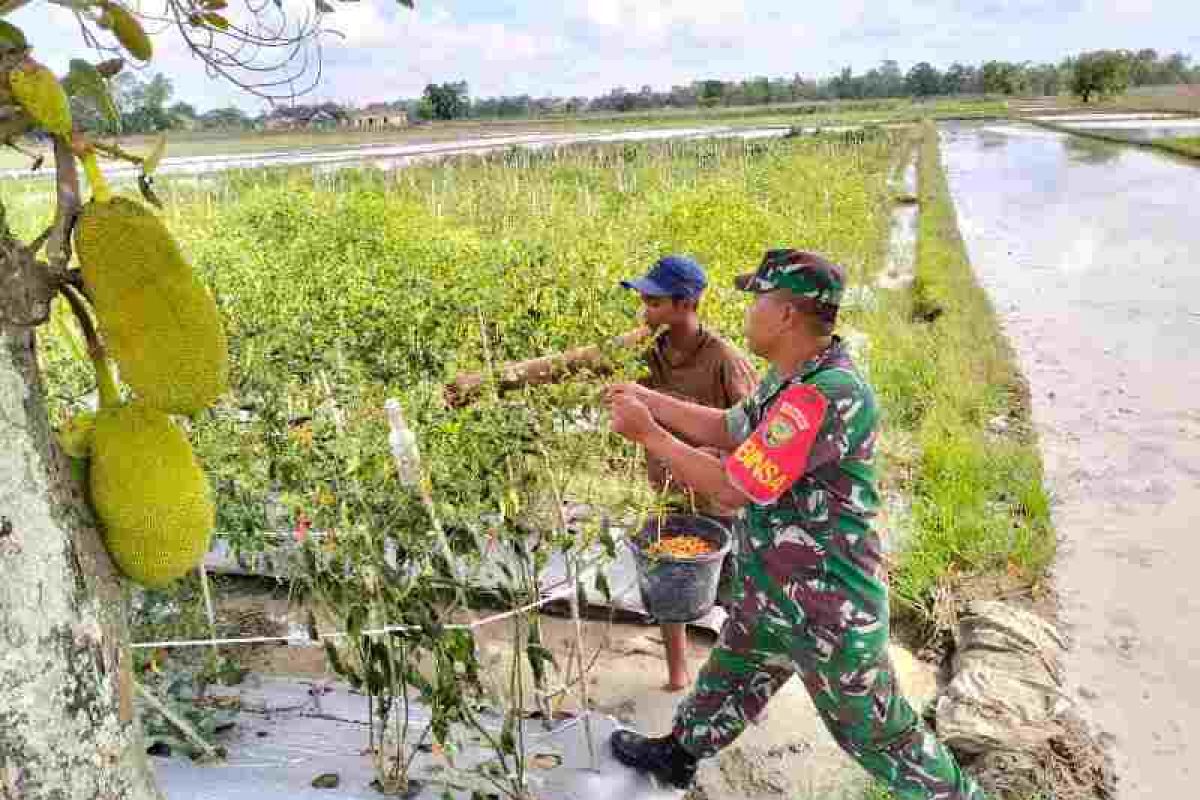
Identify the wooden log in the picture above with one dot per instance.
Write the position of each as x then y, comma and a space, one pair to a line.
466, 388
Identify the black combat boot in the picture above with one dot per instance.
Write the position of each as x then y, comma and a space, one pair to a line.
662, 757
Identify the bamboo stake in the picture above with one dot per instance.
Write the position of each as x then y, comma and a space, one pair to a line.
182, 725
576, 620
208, 608
584, 701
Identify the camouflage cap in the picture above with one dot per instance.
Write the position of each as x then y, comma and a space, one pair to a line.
803, 274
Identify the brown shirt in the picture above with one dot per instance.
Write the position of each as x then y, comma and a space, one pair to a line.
713, 373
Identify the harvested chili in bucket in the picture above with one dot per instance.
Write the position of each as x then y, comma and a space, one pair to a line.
679, 559
681, 547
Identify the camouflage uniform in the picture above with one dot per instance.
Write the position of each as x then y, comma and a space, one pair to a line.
809, 598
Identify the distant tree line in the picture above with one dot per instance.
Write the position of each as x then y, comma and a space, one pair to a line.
1088, 75
146, 104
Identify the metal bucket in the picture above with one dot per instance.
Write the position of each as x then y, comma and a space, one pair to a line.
680, 589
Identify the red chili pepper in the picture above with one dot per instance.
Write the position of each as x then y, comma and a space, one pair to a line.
302, 526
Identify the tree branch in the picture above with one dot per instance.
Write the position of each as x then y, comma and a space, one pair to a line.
115, 152
58, 246
84, 318
26, 287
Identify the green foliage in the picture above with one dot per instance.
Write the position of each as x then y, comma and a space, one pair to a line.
978, 501
1184, 145
1101, 73
526, 251
85, 85
187, 681
924, 80
184, 693
446, 101
1003, 77
142, 104
11, 37
127, 29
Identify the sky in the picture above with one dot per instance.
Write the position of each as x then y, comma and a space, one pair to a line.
377, 50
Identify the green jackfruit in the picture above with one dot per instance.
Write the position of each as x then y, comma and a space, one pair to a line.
40, 94
129, 32
75, 435
159, 322
75, 438
149, 494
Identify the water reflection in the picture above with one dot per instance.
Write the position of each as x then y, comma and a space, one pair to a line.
1082, 150
992, 137
1089, 255
1142, 130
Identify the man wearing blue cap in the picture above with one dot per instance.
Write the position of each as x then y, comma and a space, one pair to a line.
810, 600
686, 362
691, 363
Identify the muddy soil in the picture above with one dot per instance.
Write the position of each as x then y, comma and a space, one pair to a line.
1088, 251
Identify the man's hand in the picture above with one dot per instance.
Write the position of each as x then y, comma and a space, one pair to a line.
634, 390
630, 417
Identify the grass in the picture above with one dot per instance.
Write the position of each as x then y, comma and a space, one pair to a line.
1183, 145
978, 501
186, 144
1162, 99
1181, 99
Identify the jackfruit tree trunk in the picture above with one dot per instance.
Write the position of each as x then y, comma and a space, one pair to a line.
67, 725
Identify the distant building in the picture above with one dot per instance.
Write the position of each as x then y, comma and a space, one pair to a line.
324, 119
281, 124
295, 118
378, 117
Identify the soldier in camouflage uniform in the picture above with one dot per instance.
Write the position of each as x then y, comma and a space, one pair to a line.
810, 598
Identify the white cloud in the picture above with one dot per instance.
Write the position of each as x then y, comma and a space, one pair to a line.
659, 13
364, 25
590, 46
647, 23
404, 53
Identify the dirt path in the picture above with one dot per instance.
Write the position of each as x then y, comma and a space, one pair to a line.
1089, 252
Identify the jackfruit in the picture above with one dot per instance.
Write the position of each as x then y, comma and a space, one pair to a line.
41, 96
149, 494
159, 322
75, 435
75, 438
129, 32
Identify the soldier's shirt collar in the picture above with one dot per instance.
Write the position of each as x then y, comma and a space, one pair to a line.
773, 380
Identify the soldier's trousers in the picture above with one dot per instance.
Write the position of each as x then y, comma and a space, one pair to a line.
829, 624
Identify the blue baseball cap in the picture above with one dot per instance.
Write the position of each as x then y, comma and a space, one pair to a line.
672, 276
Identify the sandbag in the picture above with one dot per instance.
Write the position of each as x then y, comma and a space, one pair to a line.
1007, 691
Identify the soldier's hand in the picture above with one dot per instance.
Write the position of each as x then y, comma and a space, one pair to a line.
630, 417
